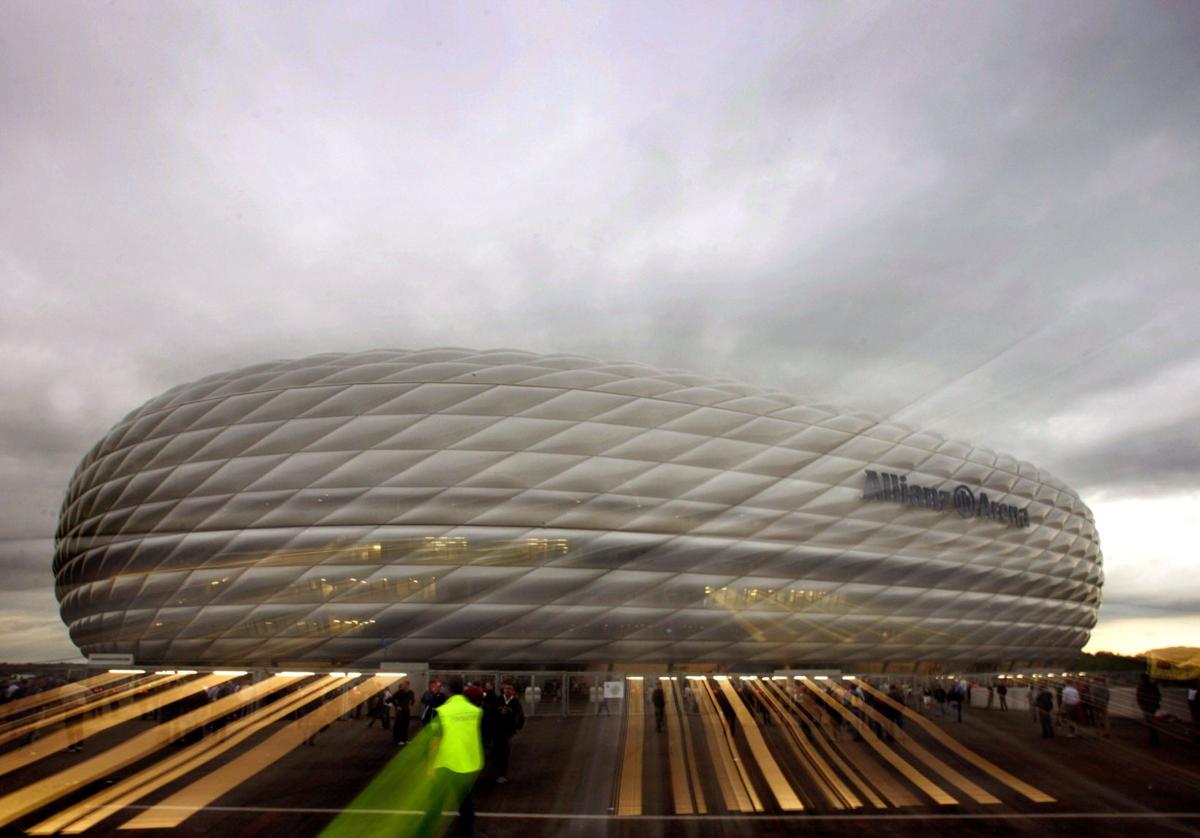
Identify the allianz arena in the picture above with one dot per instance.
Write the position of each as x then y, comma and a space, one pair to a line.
508, 508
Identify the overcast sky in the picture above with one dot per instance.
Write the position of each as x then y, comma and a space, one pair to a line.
978, 218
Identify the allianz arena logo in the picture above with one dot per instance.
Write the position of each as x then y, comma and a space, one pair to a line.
895, 488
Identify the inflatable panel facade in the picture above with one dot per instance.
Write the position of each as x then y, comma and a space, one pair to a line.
505, 507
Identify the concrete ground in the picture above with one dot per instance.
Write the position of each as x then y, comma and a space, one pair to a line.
564, 780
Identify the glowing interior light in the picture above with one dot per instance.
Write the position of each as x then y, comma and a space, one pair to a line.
231, 672
128, 671
390, 674
294, 674
820, 677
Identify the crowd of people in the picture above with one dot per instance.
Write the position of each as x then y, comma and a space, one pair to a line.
1072, 704
502, 714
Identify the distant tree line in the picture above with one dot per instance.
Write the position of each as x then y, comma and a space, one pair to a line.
1110, 662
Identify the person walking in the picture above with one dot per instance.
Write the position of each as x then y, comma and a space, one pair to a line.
455, 760
1002, 694
1193, 703
1149, 699
510, 718
659, 700
955, 697
402, 703
1069, 708
491, 702
378, 710
1099, 696
1045, 711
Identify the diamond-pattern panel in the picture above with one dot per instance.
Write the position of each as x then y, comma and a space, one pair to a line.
517, 507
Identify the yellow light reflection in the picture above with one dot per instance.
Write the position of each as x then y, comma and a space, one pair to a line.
629, 791
785, 795
76, 709
38, 794
74, 691
975, 759
187, 801
99, 806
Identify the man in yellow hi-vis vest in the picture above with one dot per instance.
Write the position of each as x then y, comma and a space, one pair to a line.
455, 759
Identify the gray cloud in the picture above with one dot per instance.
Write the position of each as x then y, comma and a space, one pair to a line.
979, 220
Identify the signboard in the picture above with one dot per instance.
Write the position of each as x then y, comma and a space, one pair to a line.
110, 659
614, 689
895, 488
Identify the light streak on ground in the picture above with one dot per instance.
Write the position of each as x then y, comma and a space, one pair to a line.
58, 740
826, 743
915, 777
187, 801
629, 791
785, 795
688, 754
96, 808
975, 759
819, 758
396, 799
681, 793
798, 819
836, 792
66, 691
38, 794
979, 795
96, 702
738, 793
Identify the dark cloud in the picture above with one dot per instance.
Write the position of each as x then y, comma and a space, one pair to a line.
1148, 607
981, 220
1150, 460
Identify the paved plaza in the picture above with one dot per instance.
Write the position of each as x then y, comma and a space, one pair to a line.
295, 753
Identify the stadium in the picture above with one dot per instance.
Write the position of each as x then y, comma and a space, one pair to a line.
551, 511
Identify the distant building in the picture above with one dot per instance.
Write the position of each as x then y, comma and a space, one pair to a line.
506, 508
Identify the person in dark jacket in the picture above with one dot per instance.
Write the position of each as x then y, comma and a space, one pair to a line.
402, 703
491, 703
659, 699
378, 708
431, 701
956, 698
1045, 711
1149, 699
509, 718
